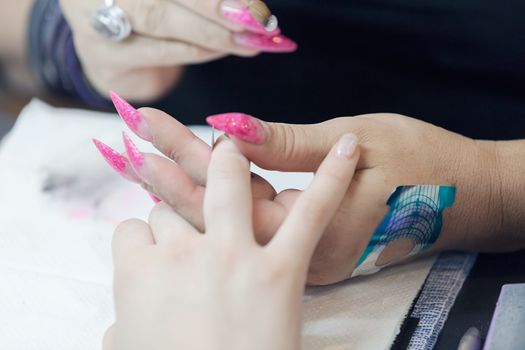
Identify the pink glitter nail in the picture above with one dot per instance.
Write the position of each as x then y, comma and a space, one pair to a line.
117, 161
134, 120
154, 198
278, 43
239, 125
237, 13
136, 158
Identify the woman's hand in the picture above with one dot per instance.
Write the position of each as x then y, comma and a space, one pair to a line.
176, 288
396, 151
167, 34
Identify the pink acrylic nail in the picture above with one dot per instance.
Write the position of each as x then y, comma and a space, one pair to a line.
278, 43
136, 158
131, 117
154, 198
239, 125
117, 161
237, 12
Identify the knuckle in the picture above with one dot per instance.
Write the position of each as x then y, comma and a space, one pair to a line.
284, 137
288, 136
277, 270
211, 34
151, 15
180, 151
161, 51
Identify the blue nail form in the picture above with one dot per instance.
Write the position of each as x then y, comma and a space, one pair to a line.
416, 213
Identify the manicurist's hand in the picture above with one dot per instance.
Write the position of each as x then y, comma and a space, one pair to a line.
168, 34
176, 288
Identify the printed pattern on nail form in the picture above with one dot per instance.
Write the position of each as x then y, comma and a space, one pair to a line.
136, 158
117, 161
132, 117
239, 125
412, 225
275, 44
238, 13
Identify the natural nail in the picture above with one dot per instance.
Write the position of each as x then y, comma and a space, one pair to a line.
255, 16
277, 43
136, 158
239, 125
131, 117
117, 161
346, 146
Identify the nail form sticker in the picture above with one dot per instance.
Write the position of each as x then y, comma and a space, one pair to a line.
412, 225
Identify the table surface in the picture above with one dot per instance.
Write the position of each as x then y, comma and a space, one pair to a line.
476, 301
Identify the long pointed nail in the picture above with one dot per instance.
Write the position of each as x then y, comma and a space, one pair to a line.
136, 158
117, 161
239, 125
275, 44
154, 198
134, 120
255, 17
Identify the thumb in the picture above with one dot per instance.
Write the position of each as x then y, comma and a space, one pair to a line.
279, 146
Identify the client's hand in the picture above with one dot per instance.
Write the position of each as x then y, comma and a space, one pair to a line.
396, 150
176, 288
168, 34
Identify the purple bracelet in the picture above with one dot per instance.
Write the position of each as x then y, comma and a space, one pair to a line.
53, 56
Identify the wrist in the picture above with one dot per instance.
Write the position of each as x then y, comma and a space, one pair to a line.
508, 178
475, 218
488, 213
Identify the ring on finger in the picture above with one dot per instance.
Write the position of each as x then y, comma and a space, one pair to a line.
111, 22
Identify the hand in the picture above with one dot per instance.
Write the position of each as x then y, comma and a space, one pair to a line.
167, 34
397, 150
178, 289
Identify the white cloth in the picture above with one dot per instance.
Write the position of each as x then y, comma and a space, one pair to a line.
59, 204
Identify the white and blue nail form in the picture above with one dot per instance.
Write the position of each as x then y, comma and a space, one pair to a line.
413, 224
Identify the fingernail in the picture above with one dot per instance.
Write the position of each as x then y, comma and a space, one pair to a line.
154, 198
254, 16
132, 117
239, 125
136, 158
277, 43
117, 161
346, 146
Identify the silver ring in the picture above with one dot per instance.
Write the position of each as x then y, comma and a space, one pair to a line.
111, 22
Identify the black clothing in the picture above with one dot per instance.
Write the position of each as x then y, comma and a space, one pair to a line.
457, 64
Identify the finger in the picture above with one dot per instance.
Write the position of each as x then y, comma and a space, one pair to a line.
347, 236
267, 218
231, 14
228, 198
289, 147
262, 189
129, 236
168, 20
108, 342
142, 52
168, 226
171, 184
317, 205
179, 143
